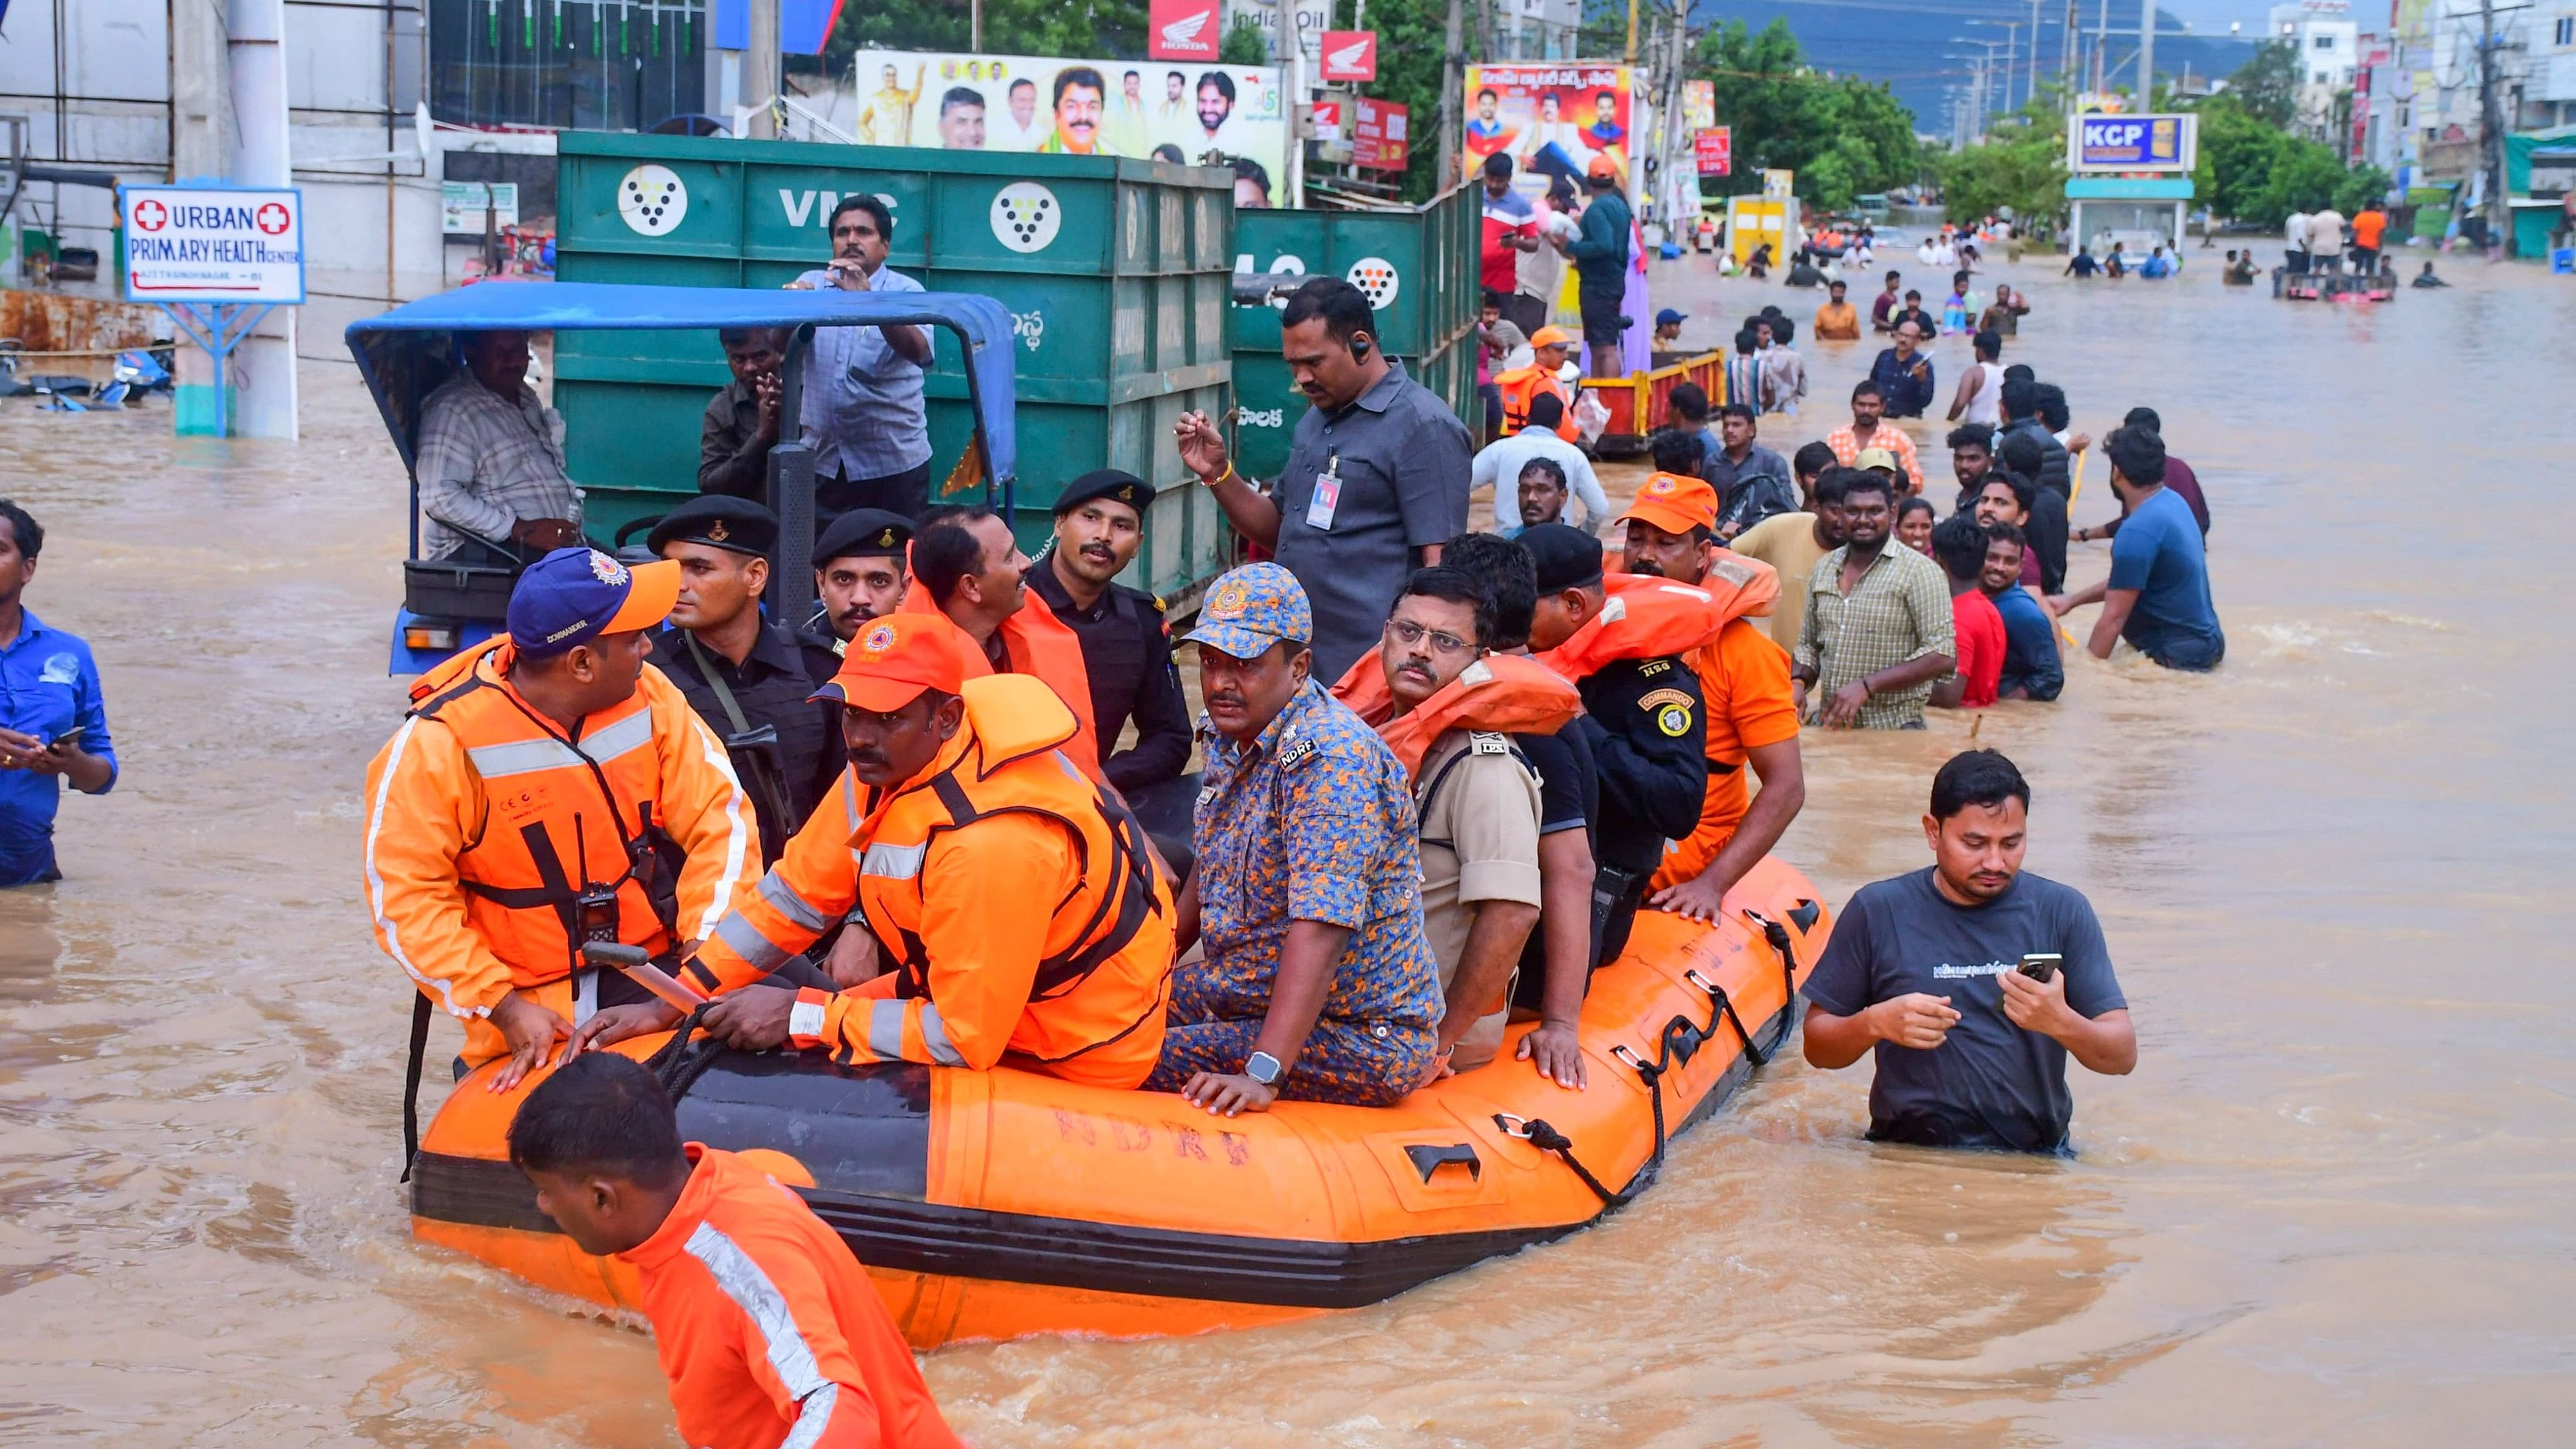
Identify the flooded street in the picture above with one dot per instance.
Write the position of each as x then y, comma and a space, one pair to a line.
2331, 1206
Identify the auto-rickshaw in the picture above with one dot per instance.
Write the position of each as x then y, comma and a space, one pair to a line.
407, 353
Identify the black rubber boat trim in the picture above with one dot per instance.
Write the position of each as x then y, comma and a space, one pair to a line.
900, 1235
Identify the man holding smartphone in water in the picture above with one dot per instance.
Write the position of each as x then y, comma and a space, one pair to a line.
1973, 981
53, 720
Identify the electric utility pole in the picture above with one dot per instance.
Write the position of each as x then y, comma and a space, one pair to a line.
2147, 56
2491, 124
1453, 77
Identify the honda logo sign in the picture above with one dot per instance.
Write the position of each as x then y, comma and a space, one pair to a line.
1350, 55
1184, 29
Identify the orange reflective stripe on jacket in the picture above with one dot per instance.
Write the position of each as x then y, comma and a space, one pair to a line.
1020, 903
1038, 644
1525, 385
1649, 618
486, 826
1507, 694
768, 1331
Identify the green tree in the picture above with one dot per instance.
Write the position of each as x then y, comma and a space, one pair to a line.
2267, 86
2021, 167
1841, 135
1107, 28
1244, 44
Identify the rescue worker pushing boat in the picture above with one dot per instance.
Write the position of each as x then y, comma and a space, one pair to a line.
545, 790
1020, 903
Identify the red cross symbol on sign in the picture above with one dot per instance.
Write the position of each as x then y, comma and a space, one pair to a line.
271, 218
149, 215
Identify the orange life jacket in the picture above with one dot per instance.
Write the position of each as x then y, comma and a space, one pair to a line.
1502, 693
1036, 643
1522, 386
1649, 618
572, 848
1092, 993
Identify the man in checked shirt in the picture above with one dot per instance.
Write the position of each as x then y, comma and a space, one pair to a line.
490, 462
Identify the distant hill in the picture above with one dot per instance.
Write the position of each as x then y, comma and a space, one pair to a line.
1905, 45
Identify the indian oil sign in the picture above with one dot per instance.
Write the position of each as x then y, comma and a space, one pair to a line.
213, 244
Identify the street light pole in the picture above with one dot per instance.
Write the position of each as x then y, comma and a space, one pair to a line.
2147, 56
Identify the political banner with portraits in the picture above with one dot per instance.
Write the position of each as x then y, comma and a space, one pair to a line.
1182, 111
1552, 120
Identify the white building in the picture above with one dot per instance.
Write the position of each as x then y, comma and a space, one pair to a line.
2327, 42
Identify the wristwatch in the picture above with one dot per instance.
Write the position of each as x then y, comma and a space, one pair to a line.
1264, 1068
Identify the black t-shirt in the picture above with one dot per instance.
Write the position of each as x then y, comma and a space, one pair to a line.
1569, 794
1989, 1083
1569, 798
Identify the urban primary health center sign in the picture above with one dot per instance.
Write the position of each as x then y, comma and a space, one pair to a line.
220, 244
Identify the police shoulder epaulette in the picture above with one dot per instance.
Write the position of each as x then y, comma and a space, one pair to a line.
1652, 667
1485, 742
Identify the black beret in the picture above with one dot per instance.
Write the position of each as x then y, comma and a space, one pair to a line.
1566, 557
864, 533
1115, 484
719, 521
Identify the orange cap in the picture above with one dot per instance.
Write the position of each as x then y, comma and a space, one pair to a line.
1675, 503
1552, 337
892, 660
1603, 166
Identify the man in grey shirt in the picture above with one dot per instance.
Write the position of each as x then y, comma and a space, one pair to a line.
1376, 479
863, 404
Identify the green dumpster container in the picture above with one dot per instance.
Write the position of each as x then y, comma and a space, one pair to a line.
1418, 266
1114, 271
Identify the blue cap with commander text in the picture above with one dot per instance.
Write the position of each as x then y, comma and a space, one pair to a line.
575, 595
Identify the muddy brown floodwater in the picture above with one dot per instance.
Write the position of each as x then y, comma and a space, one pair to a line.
2332, 1205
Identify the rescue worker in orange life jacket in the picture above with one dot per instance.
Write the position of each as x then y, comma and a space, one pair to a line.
1521, 386
752, 681
1020, 903
545, 793
967, 565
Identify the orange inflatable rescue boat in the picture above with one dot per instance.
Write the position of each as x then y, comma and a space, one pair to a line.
990, 1205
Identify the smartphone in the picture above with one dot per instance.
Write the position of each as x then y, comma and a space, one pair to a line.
2041, 965
69, 736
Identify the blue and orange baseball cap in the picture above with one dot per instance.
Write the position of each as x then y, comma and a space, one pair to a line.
574, 595
892, 659
1252, 608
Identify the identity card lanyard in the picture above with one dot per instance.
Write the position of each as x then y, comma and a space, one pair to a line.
1328, 493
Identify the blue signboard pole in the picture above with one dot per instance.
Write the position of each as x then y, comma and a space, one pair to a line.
218, 327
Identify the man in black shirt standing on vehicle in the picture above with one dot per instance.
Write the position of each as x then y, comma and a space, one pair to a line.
1643, 716
751, 680
1126, 649
1972, 981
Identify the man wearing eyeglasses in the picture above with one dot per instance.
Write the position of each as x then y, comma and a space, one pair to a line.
1444, 709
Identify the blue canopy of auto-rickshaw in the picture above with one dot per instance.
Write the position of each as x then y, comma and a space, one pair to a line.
407, 352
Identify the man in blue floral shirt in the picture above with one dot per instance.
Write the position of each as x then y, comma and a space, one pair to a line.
1317, 983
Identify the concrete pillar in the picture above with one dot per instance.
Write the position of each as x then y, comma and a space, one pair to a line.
201, 146
264, 365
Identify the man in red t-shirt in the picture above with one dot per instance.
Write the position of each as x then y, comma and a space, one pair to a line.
1959, 546
1511, 227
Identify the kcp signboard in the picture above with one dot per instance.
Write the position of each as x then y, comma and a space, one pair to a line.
2133, 143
